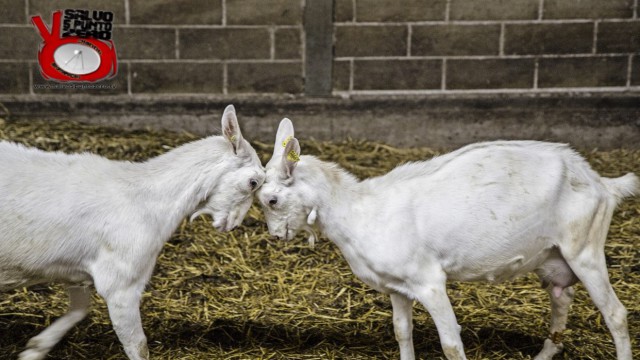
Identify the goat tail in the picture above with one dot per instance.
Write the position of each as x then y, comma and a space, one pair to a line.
624, 186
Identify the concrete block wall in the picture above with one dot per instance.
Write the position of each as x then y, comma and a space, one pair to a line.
343, 47
170, 46
486, 45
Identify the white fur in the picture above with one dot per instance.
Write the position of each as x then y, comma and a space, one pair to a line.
486, 212
82, 219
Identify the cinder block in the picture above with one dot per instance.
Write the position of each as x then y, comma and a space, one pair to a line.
46, 7
618, 37
370, 41
490, 74
14, 78
114, 86
455, 40
265, 78
341, 75
397, 74
571, 38
582, 72
178, 77
19, 43
635, 71
229, 43
13, 12
400, 11
264, 12
191, 12
145, 43
493, 9
343, 10
288, 43
587, 9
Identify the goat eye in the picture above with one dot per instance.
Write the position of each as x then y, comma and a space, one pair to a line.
253, 183
273, 201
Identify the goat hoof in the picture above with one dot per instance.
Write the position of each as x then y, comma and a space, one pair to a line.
36, 349
32, 354
550, 349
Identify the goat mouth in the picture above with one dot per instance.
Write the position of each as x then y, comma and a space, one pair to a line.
221, 225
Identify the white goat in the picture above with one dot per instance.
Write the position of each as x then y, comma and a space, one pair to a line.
83, 219
486, 212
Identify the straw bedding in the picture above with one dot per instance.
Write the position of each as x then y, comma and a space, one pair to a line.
243, 295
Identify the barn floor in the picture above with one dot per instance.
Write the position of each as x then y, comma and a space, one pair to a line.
243, 295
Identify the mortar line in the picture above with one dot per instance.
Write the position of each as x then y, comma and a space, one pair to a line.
127, 12
503, 29
605, 89
225, 78
19, 61
465, 22
353, 9
224, 13
198, 61
177, 43
303, 44
272, 42
447, 11
540, 10
24, 26
486, 57
409, 35
192, 27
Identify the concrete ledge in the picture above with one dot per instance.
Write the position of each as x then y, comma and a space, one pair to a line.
586, 120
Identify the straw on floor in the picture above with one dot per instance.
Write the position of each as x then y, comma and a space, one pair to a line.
243, 295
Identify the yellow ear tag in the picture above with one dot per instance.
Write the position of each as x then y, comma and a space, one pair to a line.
233, 138
286, 141
293, 156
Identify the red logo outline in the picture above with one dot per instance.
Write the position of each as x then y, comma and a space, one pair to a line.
51, 41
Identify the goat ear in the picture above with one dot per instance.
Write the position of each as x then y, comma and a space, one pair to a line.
284, 134
230, 127
290, 158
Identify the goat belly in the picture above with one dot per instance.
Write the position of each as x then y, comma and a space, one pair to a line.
490, 214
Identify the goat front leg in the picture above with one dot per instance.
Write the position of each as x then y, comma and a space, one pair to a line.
433, 295
39, 346
123, 302
403, 325
124, 310
559, 312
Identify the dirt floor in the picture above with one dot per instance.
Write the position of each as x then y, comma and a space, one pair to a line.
243, 295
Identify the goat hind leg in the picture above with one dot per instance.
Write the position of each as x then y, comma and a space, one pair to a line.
559, 312
591, 268
41, 344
